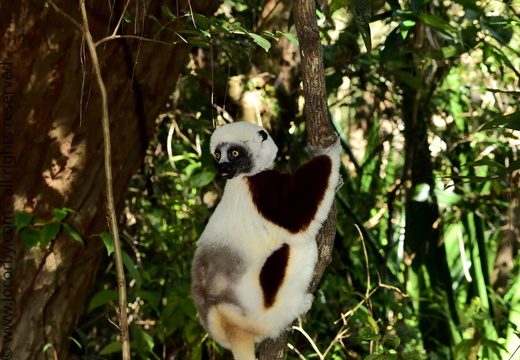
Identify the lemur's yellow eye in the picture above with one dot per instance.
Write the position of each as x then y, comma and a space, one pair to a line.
217, 156
235, 153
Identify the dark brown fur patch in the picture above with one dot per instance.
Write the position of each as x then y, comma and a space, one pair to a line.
273, 273
291, 200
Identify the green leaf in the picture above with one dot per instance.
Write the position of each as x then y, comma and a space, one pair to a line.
188, 308
202, 179
22, 219
260, 41
436, 22
447, 52
414, 81
390, 341
113, 347
421, 192
31, 236
510, 121
515, 165
102, 298
203, 23
497, 27
141, 339
182, 38
127, 17
50, 231
168, 12
405, 27
47, 347
153, 298
289, 36
108, 240
130, 266
154, 19
362, 15
485, 162
447, 198
75, 341
368, 334
73, 233
335, 5
60, 214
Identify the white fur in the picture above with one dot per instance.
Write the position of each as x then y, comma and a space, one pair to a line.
246, 134
237, 224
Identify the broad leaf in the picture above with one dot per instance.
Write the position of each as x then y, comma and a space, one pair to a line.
108, 240
22, 219
103, 297
50, 231
31, 236
260, 41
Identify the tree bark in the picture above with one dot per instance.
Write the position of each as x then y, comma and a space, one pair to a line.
53, 145
320, 135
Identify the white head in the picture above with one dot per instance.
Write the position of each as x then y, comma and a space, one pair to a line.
242, 148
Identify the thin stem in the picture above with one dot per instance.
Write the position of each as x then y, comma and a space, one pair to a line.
111, 212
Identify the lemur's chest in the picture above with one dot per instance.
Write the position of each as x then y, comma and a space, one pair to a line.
237, 223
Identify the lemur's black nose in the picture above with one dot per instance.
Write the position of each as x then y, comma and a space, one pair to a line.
226, 169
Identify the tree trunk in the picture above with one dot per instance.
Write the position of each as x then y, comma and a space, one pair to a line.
52, 151
320, 135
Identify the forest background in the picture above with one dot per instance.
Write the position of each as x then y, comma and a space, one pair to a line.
426, 256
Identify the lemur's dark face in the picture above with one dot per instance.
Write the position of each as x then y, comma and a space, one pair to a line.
233, 160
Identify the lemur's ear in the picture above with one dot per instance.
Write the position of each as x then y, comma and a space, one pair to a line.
263, 134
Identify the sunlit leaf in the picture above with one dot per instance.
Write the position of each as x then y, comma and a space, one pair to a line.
260, 41
289, 36
447, 52
405, 27
335, 5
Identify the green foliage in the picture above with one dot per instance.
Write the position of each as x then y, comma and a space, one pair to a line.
428, 119
42, 232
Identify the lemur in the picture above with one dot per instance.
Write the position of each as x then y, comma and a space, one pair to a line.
256, 257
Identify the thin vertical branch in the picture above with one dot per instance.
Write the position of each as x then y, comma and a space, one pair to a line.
111, 212
320, 135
